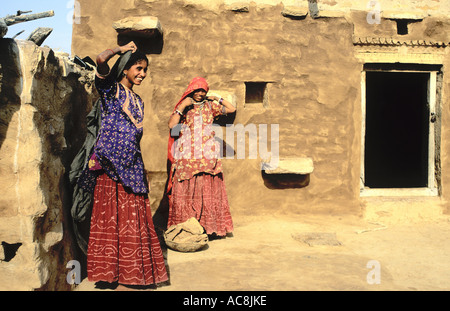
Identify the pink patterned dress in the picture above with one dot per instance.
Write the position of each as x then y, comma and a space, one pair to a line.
198, 188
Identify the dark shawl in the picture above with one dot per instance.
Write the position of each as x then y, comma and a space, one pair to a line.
81, 199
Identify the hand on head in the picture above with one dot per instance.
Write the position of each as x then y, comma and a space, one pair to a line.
131, 46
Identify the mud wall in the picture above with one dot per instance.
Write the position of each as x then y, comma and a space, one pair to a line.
311, 68
44, 99
313, 78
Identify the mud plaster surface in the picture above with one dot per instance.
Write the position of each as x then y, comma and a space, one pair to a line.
263, 255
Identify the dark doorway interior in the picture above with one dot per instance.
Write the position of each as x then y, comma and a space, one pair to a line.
397, 130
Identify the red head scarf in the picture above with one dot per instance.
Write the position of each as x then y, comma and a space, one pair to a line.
195, 84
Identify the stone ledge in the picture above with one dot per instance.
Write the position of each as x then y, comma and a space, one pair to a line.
299, 166
295, 12
144, 26
331, 14
239, 7
404, 15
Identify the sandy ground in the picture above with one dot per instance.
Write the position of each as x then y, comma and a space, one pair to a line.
265, 254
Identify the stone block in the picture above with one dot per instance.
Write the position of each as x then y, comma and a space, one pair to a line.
404, 15
295, 12
301, 166
240, 7
11, 229
331, 14
145, 26
53, 237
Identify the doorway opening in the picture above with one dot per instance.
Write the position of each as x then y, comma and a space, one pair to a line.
399, 132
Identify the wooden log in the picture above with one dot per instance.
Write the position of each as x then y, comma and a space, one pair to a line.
3, 28
19, 18
16, 19
22, 12
39, 35
18, 34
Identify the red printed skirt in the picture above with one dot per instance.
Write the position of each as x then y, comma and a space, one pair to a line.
204, 197
123, 245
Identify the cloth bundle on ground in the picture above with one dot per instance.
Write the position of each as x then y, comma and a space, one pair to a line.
188, 236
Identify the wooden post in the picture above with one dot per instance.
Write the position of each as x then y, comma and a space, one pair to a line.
16, 19
3, 28
39, 35
19, 18
18, 34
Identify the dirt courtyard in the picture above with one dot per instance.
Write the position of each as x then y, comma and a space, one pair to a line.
268, 253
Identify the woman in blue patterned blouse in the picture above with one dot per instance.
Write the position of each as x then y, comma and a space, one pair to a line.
123, 246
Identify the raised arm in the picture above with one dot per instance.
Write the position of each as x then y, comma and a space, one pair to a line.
176, 116
229, 108
103, 58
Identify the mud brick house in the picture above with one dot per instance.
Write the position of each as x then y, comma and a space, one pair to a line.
357, 89
342, 109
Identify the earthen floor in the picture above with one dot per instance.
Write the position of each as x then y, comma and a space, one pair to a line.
265, 254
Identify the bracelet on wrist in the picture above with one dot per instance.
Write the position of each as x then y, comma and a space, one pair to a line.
178, 112
220, 100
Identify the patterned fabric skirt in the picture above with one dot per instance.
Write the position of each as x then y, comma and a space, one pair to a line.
204, 197
123, 245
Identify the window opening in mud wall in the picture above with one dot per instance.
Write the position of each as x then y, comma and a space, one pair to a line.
403, 25
256, 93
399, 131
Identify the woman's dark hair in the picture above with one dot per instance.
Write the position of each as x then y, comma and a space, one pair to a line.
125, 62
135, 58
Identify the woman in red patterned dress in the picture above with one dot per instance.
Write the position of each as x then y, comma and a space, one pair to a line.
196, 187
123, 246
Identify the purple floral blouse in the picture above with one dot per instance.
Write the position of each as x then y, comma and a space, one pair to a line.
118, 143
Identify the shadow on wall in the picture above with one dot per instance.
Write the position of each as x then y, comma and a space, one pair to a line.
10, 78
148, 46
75, 134
9, 84
9, 250
285, 181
